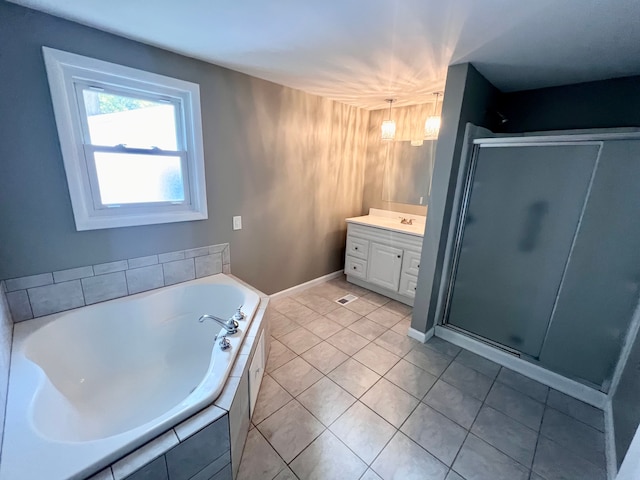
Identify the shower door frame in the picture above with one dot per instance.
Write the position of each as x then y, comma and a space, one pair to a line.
464, 185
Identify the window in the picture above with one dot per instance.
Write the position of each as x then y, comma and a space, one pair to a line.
131, 143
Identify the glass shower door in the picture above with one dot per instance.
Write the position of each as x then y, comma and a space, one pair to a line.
523, 210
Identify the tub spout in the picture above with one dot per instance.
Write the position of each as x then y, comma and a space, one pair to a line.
231, 326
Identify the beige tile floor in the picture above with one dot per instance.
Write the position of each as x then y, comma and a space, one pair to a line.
348, 395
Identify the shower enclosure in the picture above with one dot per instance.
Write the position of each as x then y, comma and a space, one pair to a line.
545, 261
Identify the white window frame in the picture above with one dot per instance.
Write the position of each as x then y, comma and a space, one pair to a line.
68, 73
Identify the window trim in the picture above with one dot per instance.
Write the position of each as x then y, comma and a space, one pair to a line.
65, 71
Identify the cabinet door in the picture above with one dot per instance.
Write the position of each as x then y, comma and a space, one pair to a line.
408, 285
256, 371
385, 263
411, 263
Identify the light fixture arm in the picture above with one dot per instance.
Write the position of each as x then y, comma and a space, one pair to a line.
390, 100
435, 105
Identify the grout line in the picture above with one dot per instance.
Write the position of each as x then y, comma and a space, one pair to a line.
535, 449
357, 399
272, 447
474, 421
547, 407
422, 400
494, 380
84, 298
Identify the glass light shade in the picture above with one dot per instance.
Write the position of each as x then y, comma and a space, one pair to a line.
388, 130
432, 126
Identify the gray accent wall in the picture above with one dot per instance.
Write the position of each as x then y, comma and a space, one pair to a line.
290, 163
469, 97
603, 104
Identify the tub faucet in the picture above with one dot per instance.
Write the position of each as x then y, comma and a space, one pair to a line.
231, 325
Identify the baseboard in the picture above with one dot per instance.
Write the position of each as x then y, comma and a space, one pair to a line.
306, 285
382, 291
565, 385
420, 336
610, 442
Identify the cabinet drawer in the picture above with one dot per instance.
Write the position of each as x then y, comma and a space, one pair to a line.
408, 285
355, 267
411, 262
357, 247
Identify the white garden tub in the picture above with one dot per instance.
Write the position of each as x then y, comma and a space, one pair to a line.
89, 385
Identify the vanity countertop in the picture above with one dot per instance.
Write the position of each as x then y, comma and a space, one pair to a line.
389, 220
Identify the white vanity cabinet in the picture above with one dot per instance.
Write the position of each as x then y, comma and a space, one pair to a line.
384, 257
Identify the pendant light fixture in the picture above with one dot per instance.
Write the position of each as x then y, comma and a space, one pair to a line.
388, 126
432, 125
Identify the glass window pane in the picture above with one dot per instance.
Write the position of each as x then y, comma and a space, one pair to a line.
134, 178
116, 119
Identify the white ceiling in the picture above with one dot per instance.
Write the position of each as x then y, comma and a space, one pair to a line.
363, 51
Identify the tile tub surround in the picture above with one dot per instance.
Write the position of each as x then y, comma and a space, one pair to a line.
371, 409
43, 294
209, 445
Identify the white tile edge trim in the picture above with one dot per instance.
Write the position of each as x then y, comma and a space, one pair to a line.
197, 422
105, 474
630, 468
420, 336
144, 455
306, 285
565, 385
610, 441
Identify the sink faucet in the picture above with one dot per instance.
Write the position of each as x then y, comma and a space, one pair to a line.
406, 221
231, 325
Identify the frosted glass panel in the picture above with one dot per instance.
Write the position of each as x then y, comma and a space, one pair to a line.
133, 178
137, 123
523, 212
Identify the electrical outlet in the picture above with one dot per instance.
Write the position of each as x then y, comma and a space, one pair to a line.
237, 223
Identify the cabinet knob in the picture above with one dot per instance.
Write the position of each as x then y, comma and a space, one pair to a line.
414, 289
354, 267
418, 265
355, 248
399, 256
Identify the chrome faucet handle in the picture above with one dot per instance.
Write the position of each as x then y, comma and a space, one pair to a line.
225, 344
239, 315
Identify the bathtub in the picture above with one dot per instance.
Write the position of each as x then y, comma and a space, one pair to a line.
90, 385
